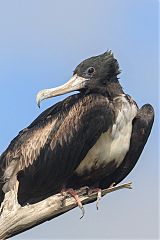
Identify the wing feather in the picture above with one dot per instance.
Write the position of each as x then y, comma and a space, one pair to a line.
142, 125
51, 148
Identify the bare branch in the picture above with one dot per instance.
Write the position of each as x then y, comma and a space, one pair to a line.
20, 219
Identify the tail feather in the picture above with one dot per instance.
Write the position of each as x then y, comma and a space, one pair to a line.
8, 177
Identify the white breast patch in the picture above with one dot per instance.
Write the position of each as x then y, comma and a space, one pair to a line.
113, 144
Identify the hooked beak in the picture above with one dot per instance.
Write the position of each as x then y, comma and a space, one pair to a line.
75, 83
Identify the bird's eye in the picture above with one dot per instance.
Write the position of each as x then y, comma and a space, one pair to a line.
91, 70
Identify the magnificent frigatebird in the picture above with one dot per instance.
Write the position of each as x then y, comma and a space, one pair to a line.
93, 138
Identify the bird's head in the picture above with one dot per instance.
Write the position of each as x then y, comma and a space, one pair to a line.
97, 74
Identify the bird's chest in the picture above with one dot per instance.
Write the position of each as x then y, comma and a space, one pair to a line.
112, 146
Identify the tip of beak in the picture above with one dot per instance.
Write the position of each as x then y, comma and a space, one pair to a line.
38, 100
38, 104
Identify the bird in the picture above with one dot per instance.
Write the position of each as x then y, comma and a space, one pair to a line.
92, 138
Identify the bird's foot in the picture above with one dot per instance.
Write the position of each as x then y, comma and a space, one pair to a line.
99, 195
74, 194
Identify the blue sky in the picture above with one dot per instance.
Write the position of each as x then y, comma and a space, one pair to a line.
41, 42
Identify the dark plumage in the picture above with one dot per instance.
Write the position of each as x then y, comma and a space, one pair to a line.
76, 142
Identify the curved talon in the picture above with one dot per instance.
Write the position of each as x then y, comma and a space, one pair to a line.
83, 212
74, 194
79, 203
99, 196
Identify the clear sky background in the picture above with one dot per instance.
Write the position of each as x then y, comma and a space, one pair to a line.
41, 42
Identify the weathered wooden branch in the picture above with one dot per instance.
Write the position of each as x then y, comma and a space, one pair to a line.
20, 219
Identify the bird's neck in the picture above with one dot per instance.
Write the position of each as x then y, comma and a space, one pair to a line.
111, 90
114, 88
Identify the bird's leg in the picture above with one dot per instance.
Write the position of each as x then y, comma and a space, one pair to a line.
74, 194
